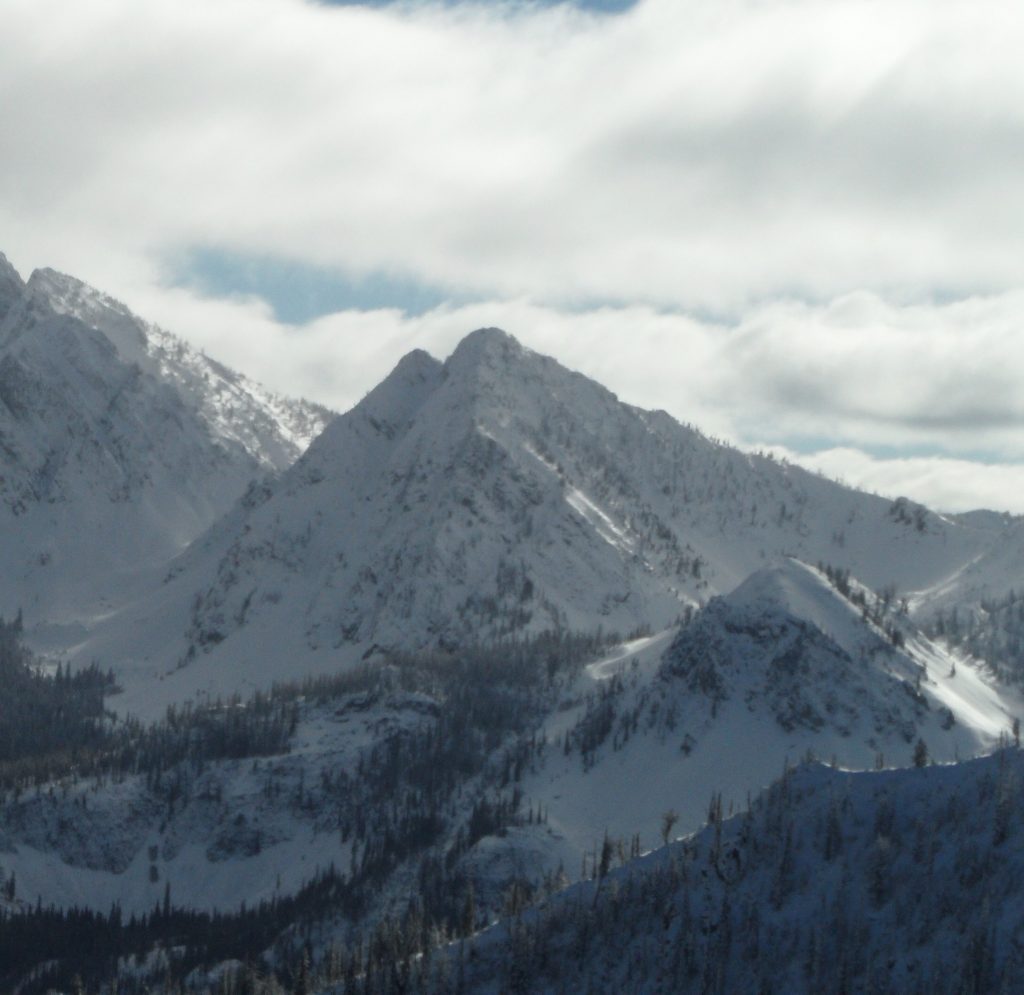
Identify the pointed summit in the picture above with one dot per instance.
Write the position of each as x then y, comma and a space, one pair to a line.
412, 380
11, 286
502, 380
486, 339
486, 346
60, 291
415, 367
69, 297
394, 401
120, 441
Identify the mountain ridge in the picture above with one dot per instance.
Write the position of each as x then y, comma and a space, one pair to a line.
499, 494
120, 444
490, 613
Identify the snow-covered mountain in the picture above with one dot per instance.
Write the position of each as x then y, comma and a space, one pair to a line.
274, 430
472, 532
418, 809
119, 444
895, 881
499, 773
495, 494
783, 667
785, 643
10, 286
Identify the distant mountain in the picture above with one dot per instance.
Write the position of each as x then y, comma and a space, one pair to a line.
494, 495
118, 443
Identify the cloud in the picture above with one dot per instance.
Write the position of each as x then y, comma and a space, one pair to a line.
708, 154
791, 222
949, 485
940, 378
789, 379
940, 375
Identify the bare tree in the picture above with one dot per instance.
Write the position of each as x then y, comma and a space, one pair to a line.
668, 821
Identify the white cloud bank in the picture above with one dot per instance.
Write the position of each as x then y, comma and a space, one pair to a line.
857, 370
942, 483
701, 153
824, 175
943, 378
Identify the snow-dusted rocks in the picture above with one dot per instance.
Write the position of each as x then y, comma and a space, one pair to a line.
119, 445
786, 643
840, 662
492, 495
784, 667
10, 286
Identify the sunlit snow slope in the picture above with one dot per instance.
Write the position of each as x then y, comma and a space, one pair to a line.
495, 494
118, 444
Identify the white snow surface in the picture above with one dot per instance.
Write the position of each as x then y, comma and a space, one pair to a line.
896, 881
493, 494
119, 444
847, 696
803, 674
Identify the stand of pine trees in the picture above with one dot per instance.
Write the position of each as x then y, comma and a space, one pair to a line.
420, 798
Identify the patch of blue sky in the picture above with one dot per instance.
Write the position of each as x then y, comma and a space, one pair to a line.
298, 292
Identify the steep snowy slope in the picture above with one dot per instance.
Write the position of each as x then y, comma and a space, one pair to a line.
498, 772
118, 445
274, 430
781, 667
901, 881
492, 494
11, 286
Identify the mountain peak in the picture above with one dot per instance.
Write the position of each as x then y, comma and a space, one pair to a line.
416, 365
6, 266
8, 272
70, 298
68, 295
397, 398
785, 585
54, 285
487, 346
390, 406
11, 286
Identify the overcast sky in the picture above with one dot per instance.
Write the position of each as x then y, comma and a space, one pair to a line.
797, 224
